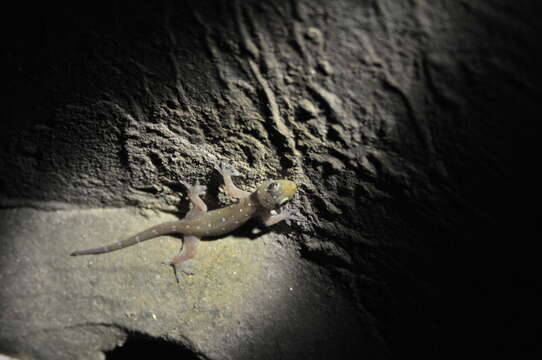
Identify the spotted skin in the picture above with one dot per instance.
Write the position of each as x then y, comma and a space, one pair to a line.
201, 223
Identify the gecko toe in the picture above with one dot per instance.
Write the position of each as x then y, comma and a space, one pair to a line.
226, 169
195, 189
198, 189
180, 268
292, 216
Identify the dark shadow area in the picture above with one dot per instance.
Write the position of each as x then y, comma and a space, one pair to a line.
139, 346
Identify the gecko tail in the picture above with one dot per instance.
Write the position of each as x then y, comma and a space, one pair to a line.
87, 252
162, 229
108, 248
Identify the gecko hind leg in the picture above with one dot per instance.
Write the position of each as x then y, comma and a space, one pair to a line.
182, 262
197, 206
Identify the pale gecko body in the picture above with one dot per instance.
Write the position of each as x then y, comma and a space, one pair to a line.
200, 223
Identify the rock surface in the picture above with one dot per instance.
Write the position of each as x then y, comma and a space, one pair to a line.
407, 125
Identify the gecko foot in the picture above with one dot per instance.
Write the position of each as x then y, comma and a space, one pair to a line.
226, 169
180, 268
195, 189
290, 215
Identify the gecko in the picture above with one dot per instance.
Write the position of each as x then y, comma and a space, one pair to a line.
199, 222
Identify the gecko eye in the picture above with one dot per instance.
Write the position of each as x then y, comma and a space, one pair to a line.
273, 187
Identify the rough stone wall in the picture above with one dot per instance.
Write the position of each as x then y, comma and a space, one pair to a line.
405, 125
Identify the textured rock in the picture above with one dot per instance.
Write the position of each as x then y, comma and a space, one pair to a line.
406, 125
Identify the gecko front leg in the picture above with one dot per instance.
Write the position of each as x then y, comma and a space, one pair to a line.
285, 215
227, 171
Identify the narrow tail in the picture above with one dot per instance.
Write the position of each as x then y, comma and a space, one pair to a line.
161, 229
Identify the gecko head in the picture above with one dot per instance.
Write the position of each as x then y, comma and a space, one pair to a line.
272, 194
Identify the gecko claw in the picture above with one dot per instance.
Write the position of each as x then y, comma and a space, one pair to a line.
226, 169
195, 189
180, 268
291, 216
